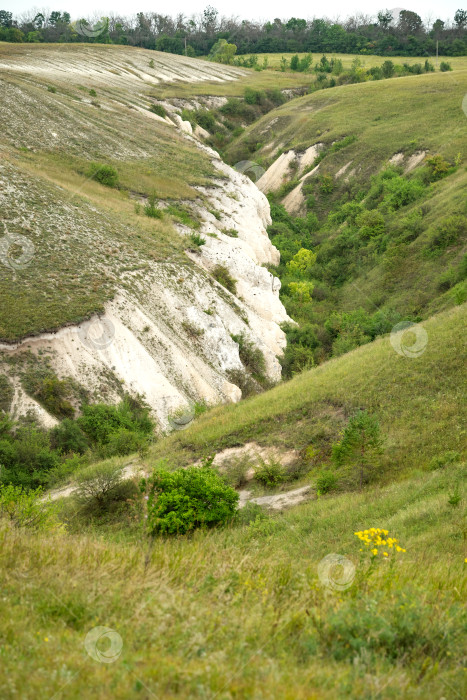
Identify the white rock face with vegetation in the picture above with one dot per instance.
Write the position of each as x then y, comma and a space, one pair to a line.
167, 329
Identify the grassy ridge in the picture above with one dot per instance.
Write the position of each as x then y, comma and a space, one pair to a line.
387, 116
419, 402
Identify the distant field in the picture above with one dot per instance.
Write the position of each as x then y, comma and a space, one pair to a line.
274, 59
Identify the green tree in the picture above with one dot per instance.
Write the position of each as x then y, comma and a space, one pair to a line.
460, 18
360, 442
302, 262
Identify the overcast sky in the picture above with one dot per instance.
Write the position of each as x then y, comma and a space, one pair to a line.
427, 9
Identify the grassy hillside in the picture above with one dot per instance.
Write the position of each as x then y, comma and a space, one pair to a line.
389, 233
245, 612
418, 400
56, 135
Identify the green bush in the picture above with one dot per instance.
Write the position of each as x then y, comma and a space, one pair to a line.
205, 119
223, 276
197, 240
235, 472
445, 66
270, 473
52, 393
151, 210
98, 484
185, 499
159, 110
28, 509
67, 436
452, 229
326, 481
251, 357
105, 174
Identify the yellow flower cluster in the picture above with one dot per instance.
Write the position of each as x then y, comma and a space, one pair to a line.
376, 537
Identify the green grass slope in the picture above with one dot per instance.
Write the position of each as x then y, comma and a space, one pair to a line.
392, 256
419, 402
245, 612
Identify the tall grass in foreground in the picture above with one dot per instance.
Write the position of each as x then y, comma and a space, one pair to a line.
242, 612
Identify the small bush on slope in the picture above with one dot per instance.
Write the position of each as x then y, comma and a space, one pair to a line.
186, 499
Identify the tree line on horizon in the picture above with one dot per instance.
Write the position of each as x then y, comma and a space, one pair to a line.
386, 35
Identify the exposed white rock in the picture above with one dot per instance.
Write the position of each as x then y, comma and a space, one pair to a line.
294, 201
172, 343
308, 157
274, 176
414, 160
343, 170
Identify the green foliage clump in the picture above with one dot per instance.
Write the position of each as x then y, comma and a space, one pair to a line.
6, 393
251, 356
29, 509
158, 109
223, 276
105, 174
326, 481
185, 499
444, 66
151, 210
361, 441
116, 430
270, 472
451, 230
52, 393
98, 484
197, 240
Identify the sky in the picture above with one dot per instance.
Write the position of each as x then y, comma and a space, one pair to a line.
334, 9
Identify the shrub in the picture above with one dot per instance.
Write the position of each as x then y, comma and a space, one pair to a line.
235, 472
326, 184
185, 499
205, 119
251, 357
270, 473
197, 240
98, 483
27, 508
105, 174
67, 436
449, 231
437, 167
159, 110
326, 481
51, 392
388, 69
223, 276
51, 88
361, 440
445, 66
244, 381
151, 210
6, 393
